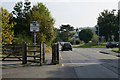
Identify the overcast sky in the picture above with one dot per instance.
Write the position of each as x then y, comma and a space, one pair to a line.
78, 13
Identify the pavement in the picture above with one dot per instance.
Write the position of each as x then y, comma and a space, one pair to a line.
33, 70
109, 52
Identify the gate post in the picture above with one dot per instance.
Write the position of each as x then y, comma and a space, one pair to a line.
57, 53
40, 55
24, 61
52, 53
43, 52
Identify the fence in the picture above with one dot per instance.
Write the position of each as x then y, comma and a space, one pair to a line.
12, 51
25, 52
40, 56
21, 52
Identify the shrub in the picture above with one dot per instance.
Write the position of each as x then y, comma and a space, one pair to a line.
95, 38
77, 41
20, 39
71, 41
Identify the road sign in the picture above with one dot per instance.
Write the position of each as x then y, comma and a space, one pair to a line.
34, 26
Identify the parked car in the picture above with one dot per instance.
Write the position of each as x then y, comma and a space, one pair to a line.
111, 44
66, 46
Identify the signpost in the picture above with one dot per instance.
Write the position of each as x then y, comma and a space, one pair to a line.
34, 27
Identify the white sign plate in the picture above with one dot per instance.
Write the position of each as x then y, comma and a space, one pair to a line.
34, 27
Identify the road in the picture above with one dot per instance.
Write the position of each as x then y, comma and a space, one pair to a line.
79, 63
89, 63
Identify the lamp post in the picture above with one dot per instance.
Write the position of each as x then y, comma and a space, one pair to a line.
119, 22
98, 35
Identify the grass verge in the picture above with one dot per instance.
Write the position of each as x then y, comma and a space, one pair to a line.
90, 45
116, 50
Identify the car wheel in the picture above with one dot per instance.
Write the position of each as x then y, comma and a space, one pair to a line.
111, 47
107, 47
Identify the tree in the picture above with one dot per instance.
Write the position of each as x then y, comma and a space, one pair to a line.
86, 35
24, 15
41, 14
7, 27
65, 32
108, 24
20, 13
66, 28
57, 33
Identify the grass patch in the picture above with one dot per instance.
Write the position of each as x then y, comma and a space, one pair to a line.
48, 49
77, 45
116, 50
90, 45
3, 55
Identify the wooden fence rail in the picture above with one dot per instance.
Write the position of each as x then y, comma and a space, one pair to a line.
21, 52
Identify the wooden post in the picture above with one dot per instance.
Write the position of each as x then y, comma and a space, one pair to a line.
24, 61
52, 53
40, 55
43, 52
57, 53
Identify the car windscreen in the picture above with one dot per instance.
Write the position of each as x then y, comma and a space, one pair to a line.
113, 42
67, 44
108, 42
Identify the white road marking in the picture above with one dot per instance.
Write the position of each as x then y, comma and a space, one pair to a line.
60, 56
80, 63
62, 65
98, 51
109, 49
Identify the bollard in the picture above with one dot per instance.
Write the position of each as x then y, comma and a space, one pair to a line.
24, 61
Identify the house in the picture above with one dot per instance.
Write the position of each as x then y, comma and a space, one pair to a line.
76, 35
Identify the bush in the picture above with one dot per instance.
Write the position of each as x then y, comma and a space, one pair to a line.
95, 38
20, 39
47, 49
86, 35
71, 41
82, 42
77, 41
